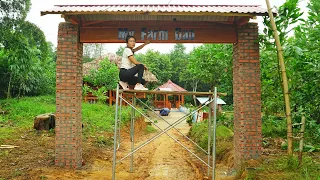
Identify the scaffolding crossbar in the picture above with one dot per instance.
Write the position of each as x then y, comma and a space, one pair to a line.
211, 101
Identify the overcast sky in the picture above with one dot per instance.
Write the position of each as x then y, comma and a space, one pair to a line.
49, 23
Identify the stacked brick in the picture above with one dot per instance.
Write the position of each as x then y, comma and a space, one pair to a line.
68, 143
247, 94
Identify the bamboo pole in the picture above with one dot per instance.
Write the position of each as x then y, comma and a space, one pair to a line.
284, 80
303, 122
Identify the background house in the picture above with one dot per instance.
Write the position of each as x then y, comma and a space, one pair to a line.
162, 100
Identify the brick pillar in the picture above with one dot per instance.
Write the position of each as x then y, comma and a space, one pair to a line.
68, 144
247, 95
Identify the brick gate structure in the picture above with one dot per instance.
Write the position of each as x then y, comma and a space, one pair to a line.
68, 97
161, 24
247, 94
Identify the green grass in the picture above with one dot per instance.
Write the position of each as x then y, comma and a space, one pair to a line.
287, 167
22, 111
224, 136
96, 118
150, 129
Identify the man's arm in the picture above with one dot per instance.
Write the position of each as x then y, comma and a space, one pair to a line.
134, 61
141, 46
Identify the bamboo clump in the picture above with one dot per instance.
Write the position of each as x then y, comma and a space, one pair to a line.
284, 80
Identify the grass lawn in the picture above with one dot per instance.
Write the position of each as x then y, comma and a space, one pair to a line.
19, 116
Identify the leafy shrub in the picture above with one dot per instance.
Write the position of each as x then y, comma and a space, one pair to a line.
100, 93
228, 107
85, 90
106, 75
273, 126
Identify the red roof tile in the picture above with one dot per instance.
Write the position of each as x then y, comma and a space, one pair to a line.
172, 86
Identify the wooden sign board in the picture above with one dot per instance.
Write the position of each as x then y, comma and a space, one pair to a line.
159, 32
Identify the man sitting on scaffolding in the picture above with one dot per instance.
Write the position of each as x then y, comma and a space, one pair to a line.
130, 66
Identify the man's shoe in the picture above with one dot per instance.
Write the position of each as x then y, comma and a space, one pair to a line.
124, 85
140, 87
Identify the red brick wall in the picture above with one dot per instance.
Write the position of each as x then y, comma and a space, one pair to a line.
68, 144
247, 94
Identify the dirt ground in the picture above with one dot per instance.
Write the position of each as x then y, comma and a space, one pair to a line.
161, 159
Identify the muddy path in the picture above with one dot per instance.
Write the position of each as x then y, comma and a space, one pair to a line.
170, 160
161, 159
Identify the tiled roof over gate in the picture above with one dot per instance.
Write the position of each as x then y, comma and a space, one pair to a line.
157, 8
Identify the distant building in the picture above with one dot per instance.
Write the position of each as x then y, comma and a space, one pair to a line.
162, 101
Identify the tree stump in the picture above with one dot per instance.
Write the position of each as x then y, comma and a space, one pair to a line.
44, 121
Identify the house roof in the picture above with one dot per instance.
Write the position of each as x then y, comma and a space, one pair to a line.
236, 10
171, 85
202, 100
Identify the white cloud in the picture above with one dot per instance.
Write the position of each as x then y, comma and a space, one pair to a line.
49, 23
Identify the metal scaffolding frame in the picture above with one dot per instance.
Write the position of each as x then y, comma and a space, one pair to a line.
212, 101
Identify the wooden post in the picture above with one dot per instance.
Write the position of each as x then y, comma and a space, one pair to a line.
110, 98
182, 99
303, 123
164, 100
284, 80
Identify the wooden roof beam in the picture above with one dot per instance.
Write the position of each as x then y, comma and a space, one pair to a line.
72, 19
242, 21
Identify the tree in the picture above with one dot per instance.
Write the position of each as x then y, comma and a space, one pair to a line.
211, 64
27, 55
301, 52
159, 64
24, 53
12, 13
272, 95
304, 50
179, 60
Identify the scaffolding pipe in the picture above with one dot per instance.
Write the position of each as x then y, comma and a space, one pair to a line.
115, 137
119, 123
209, 134
214, 134
132, 132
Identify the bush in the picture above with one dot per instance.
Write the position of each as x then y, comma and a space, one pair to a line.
106, 75
273, 126
224, 135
